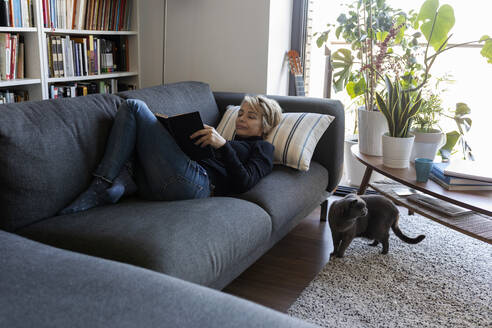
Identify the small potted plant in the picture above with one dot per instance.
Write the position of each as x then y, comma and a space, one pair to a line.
428, 136
398, 107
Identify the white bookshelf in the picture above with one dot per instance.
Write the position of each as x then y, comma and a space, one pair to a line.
16, 82
4, 29
37, 81
87, 32
91, 77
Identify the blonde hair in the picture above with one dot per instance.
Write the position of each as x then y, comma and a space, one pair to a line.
269, 109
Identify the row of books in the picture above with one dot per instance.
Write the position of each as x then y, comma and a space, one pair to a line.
17, 13
82, 56
11, 56
111, 15
9, 97
462, 175
70, 90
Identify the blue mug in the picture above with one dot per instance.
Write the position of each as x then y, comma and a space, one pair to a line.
423, 167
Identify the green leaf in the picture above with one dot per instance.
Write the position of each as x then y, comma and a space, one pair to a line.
381, 35
342, 64
451, 140
322, 39
350, 89
401, 33
338, 31
484, 38
444, 22
342, 19
487, 48
359, 87
462, 109
356, 89
427, 10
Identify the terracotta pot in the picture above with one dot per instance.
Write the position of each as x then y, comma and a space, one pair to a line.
372, 125
396, 151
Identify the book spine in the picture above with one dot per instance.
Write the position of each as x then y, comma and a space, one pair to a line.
64, 57
11, 13
128, 15
98, 56
4, 18
85, 57
91, 55
8, 54
440, 175
15, 56
20, 62
24, 13
3, 53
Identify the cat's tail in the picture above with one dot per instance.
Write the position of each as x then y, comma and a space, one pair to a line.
399, 234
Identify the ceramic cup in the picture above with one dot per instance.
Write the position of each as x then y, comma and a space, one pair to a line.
423, 167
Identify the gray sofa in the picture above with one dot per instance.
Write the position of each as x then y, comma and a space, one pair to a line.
49, 148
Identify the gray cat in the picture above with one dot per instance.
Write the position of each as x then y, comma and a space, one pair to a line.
369, 216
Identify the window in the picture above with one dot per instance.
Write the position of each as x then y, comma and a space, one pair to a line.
467, 67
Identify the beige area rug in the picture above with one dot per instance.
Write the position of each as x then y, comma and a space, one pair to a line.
445, 281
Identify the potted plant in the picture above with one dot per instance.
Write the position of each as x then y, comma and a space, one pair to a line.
401, 104
428, 136
379, 45
398, 107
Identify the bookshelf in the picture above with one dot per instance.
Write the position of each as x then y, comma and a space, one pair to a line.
37, 79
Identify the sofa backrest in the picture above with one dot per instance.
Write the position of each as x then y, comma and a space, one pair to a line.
48, 150
179, 98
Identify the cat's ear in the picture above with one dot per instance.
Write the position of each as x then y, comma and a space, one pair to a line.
353, 202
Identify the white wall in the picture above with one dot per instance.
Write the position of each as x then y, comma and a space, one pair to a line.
223, 43
233, 45
280, 27
151, 39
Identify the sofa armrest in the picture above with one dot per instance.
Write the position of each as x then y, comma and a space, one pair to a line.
329, 151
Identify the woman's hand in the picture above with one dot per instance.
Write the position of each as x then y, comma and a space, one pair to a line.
209, 136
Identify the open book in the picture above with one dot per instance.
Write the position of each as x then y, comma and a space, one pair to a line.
181, 127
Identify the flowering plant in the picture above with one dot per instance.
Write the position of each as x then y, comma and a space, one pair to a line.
373, 29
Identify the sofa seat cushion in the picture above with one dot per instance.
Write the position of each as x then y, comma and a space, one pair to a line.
286, 192
42, 286
195, 240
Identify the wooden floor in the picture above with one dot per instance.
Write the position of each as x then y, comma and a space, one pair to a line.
277, 278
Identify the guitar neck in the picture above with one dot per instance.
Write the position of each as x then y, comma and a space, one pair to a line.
299, 83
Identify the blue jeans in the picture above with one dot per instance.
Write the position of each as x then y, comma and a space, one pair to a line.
163, 171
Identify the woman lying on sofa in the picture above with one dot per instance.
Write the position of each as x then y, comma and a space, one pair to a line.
164, 172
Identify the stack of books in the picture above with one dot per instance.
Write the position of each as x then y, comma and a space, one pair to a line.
462, 175
113, 15
88, 55
17, 13
13, 96
11, 56
70, 90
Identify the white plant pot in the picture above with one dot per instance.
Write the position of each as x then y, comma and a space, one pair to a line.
427, 144
396, 151
372, 125
353, 168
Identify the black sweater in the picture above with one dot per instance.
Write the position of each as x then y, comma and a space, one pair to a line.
239, 165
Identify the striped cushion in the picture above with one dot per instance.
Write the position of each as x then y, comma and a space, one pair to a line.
294, 138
